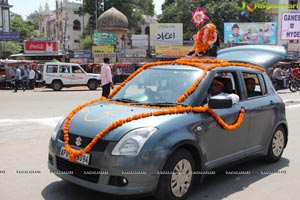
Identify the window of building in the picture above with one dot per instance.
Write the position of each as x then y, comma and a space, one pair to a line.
76, 25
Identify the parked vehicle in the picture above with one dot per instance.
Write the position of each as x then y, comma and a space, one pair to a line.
58, 75
291, 84
160, 131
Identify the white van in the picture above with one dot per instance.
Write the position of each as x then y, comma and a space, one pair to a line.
57, 75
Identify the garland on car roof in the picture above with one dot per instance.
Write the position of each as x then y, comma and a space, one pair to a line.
161, 111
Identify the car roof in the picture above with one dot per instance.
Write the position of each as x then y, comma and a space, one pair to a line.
262, 55
205, 63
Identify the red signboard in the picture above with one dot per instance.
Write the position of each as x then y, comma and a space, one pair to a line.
40, 46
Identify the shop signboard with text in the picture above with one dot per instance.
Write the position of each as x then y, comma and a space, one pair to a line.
31, 46
166, 34
290, 26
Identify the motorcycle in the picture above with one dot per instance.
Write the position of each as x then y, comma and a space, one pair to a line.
291, 83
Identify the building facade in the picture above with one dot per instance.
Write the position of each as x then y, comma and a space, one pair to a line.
63, 24
4, 16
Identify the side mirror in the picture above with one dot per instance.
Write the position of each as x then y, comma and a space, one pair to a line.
220, 102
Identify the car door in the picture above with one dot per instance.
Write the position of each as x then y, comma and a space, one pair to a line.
223, 146
261, 113
78, 75
64, 74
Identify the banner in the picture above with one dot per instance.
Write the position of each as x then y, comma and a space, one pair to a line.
172, 51
290, 26
250, 33
105, 38
9, 36
166, 34
40, 46
103, 49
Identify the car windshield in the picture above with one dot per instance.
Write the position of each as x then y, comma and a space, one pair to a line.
159, 85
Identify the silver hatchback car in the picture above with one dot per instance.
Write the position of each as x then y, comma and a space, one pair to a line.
162, 128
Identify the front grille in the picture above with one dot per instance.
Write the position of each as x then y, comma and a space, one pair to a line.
77, 170
100, 146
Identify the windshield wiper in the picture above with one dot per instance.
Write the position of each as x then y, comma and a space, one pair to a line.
125, 100
165, 103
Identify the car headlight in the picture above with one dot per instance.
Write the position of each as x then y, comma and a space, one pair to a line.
133, 141
57, 128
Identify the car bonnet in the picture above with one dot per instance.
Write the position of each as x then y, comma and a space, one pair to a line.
93, 119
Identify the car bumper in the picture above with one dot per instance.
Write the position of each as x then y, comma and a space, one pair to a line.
106, 173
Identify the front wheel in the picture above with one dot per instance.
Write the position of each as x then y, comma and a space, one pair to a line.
92, 85
276, 145
293, 86
57, 85
176, 180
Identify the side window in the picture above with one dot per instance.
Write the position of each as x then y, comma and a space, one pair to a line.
76, 69
64, 69
254, 84
52, 69
229, 81
224, 84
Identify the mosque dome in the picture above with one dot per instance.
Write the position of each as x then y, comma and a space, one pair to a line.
112, 19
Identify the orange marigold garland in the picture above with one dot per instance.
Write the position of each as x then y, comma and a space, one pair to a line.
165, 111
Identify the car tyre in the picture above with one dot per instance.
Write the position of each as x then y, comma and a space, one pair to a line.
92, 85
276, 145
293, 86
177, 177
57, 85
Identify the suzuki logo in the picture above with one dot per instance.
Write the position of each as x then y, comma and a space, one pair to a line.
78, 141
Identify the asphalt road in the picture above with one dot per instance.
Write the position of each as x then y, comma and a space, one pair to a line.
28, 118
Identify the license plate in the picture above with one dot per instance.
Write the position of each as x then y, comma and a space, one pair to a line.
83, 159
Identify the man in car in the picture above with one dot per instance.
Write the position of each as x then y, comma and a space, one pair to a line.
216, 90
250, 85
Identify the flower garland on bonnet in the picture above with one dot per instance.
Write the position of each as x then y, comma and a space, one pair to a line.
205, 45
159, 111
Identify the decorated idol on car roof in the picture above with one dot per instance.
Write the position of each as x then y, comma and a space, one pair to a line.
206, 40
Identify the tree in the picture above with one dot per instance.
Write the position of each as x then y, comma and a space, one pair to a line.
179, 11
33, 18
26, 29
132, 9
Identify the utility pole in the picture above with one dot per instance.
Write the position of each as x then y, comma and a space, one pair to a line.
96, 14
65, 31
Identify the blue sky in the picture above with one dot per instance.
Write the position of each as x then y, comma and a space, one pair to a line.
24, 7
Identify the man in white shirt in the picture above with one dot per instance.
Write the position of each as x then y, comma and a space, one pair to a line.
31, 78
106, 77
216, 89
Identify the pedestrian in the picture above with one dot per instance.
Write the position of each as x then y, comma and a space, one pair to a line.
26, 76
31, 78
119, 74
106, 77
19, 80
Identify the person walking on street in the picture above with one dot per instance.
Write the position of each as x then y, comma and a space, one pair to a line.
18, 80
106, 78
31, 78
26, 76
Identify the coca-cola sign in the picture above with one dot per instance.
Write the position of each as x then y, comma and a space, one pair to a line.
40, 46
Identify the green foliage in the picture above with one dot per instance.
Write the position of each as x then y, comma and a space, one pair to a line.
132, 9
8, 48
26, 31
86, 43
